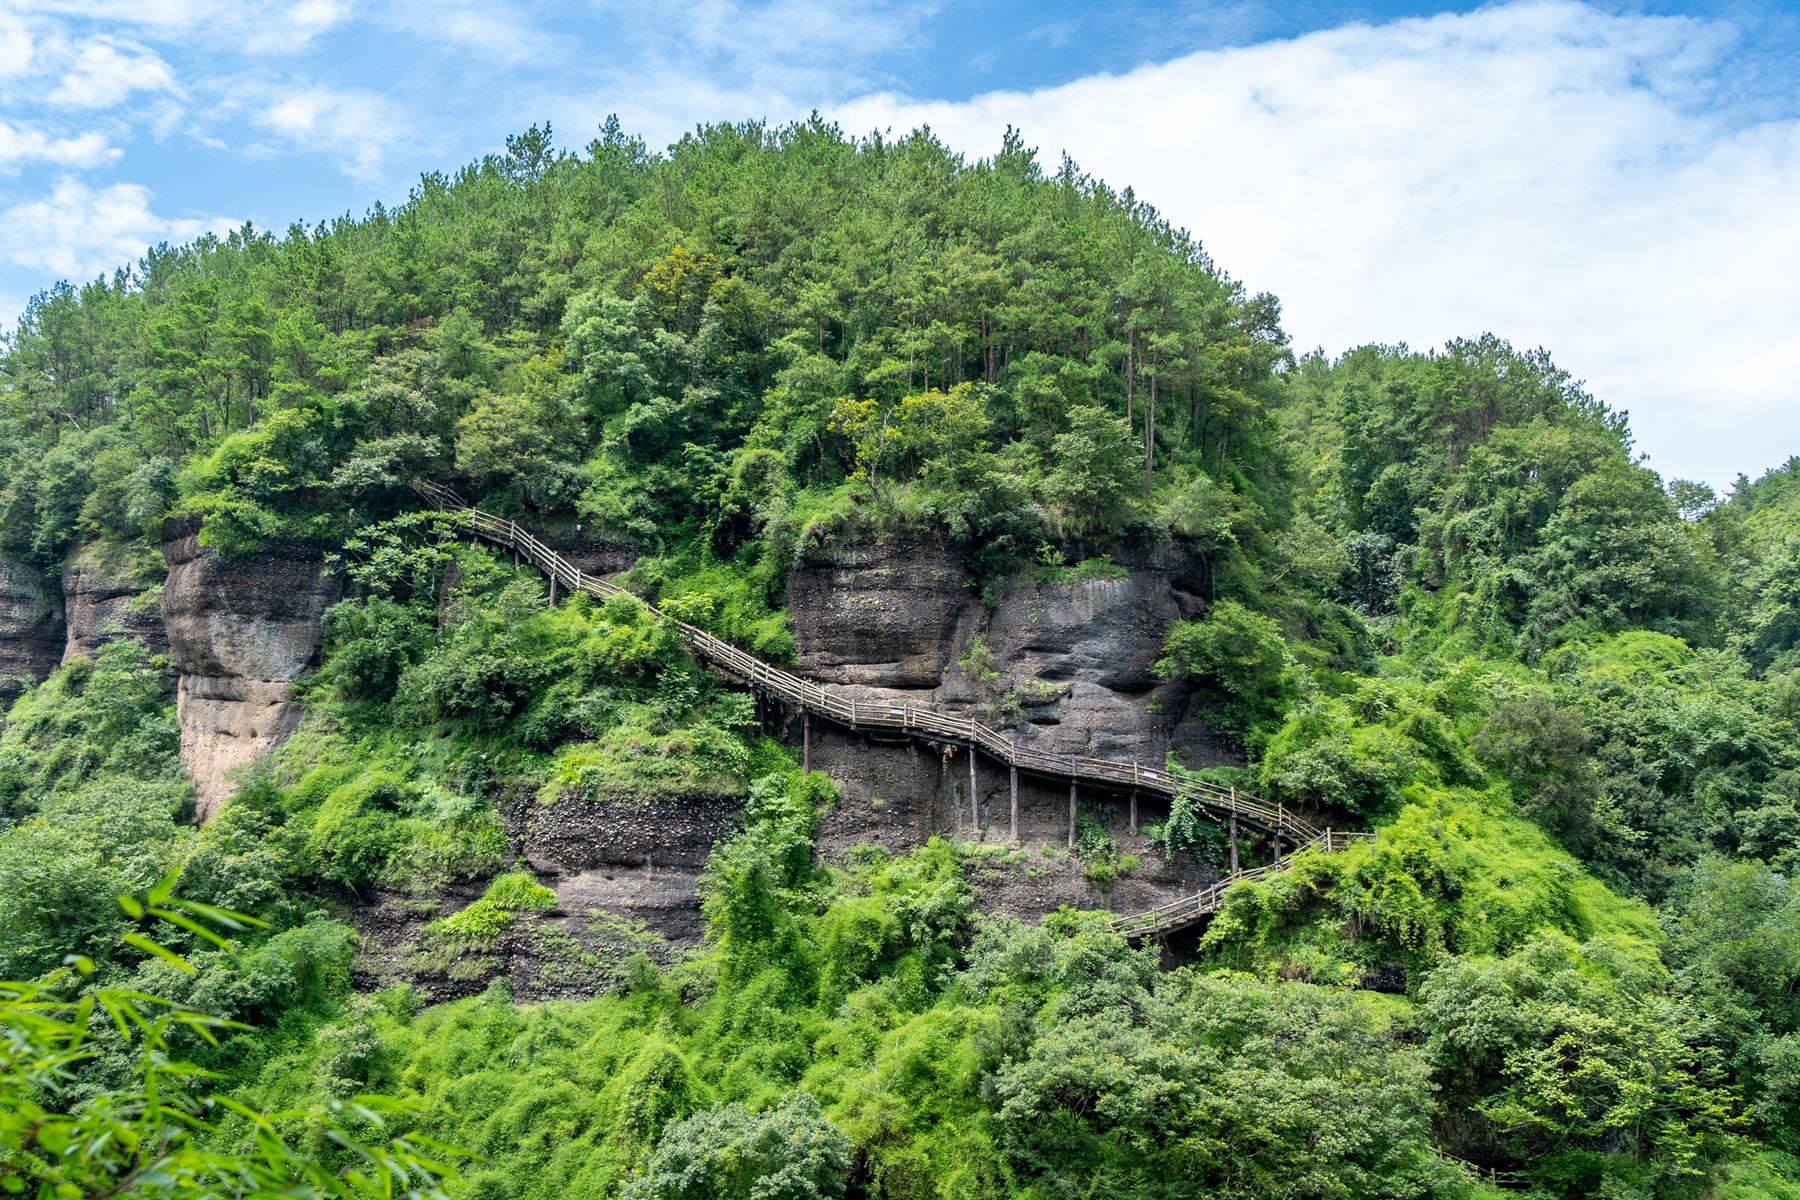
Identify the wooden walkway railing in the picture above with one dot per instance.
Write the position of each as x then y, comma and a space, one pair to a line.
1185, 910
1284, 828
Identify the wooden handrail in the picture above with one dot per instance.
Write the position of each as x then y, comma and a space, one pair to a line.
1217, 802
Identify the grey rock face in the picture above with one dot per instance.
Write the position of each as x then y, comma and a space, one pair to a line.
634, 857
31, 629
1073, 665
101, 603
240, 630
594, 555
885, 614
1073, 660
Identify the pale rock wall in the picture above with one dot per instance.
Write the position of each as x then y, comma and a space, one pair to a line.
240, 631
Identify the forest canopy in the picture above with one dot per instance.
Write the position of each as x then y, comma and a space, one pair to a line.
1440, 599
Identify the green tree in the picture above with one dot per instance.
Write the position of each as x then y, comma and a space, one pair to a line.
1240, 662
730, 1153
1089, 481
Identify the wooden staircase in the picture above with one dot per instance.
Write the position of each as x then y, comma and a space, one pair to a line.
1288, 833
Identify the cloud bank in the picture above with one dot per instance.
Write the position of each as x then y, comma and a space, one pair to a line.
79, 232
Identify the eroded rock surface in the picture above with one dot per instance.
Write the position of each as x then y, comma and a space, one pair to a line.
898, 795
638, 858
881, 614
1072, 661
104, 599
240, 631
31, 629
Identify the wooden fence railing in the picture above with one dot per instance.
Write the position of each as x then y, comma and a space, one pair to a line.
1284, 828
1185, 910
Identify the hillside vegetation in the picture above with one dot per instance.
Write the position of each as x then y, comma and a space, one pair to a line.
1445, 602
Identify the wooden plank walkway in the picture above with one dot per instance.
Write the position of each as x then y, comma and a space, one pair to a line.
1289, 834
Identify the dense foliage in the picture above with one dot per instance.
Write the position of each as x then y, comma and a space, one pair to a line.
1442, 601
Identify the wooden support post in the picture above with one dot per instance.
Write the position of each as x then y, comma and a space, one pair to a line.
974, 796
552, 589
805, 741
1013, 786
1233, 827
1071, 812
1134, 821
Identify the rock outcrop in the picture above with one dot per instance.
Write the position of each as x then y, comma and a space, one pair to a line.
639, 858
595, 555
1068, 669
898, 793
240, 631
1071, 661
31, 629
882, 614
107, 596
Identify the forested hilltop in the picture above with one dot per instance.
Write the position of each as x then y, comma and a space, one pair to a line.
1433, 595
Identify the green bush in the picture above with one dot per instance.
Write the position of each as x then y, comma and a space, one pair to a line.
479, 925
731, 1153
1239, 661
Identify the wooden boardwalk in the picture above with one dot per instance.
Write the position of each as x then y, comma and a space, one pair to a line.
1288, 834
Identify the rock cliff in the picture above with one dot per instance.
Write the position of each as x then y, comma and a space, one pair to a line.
240, 631
885, 614
31, 629
1068, 669
107, 595
639, 858
1071, 661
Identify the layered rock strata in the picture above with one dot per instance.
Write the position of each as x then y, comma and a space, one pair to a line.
240, 631
1070, 662
107, 596
31, 629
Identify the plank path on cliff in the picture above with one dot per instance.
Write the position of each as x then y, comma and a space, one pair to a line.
1289, 834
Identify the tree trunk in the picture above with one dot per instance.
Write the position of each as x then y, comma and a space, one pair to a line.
1150, 425
1130, 345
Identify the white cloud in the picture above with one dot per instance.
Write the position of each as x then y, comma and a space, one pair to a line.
15, 45
22, 144
102, 73
154, 14
78, 232
252, 26
1547, 171
294, 28
490, 29
355, 126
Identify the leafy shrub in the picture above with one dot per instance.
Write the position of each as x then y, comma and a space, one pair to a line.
1239, 660
731, 1153
480, 924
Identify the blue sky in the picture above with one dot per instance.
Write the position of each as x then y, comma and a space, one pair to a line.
1619, 184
